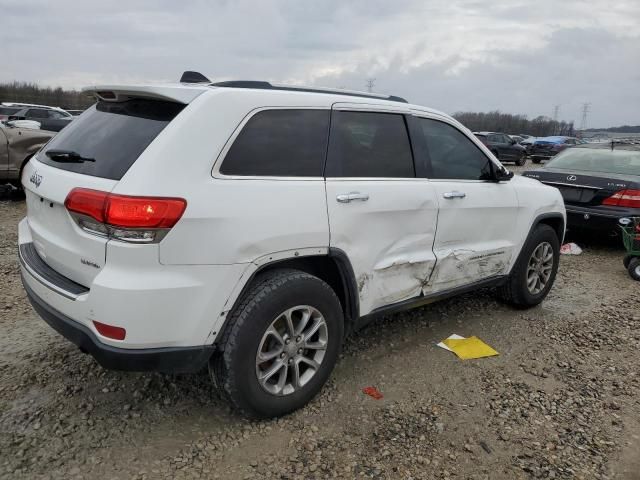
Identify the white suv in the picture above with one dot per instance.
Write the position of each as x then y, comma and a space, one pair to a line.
250, 227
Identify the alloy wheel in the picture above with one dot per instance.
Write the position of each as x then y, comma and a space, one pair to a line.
539, 268
291, 350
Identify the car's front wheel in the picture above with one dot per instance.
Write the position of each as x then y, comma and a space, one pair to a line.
281, 344
522, 159
535, 270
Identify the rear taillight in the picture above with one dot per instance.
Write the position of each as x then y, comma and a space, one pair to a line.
126, 218
624, 198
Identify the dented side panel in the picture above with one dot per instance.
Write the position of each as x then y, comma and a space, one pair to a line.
388, 238
477, 235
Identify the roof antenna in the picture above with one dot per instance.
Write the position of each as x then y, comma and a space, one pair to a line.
193, 77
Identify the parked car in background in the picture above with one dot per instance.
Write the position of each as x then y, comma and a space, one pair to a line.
600, 184
547, 147
75, 113
17, 146
51, 118
6, 110
503, 147
527, 143
301, 215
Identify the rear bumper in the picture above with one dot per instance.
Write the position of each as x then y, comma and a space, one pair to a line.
595, 219
170, 360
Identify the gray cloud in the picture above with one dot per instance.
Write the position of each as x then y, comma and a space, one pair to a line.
519, 56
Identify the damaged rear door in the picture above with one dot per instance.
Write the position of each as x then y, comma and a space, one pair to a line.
380, 214
476, 236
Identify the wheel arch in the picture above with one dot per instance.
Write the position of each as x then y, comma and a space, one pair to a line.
334, 268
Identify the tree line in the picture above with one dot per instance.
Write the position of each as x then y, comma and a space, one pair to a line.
497, 121
24, 92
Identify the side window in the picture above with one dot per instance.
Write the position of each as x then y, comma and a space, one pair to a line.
452, 154
369, 144
37, 113
280, 143
55, 115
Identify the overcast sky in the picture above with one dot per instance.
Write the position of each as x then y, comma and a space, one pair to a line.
513, 55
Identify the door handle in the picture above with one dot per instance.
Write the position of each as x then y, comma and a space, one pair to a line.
351, 196
454, 194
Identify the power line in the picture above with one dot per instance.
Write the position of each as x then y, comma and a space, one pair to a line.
371, 82
586, 108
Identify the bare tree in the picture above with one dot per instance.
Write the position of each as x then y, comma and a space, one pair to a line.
24, 92
513, 124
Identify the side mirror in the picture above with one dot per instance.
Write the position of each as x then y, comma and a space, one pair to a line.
503, 175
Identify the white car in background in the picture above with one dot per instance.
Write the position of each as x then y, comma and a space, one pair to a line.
254, 242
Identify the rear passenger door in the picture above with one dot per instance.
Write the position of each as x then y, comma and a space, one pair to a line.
476, 236
380, 214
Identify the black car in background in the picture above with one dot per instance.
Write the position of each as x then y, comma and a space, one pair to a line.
600, 184
50, 118
503, 147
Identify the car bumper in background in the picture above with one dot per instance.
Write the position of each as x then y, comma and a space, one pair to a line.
590, 218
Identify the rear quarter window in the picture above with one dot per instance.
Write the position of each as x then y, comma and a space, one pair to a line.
113, 134
280, 143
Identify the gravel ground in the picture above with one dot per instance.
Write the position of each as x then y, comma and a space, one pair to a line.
561, 401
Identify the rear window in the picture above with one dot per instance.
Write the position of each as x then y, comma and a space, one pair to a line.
623, 162
113, 134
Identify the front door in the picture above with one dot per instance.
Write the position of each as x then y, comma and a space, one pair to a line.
380, 214
475, 239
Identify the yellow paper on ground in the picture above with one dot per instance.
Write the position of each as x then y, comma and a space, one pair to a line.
469, 348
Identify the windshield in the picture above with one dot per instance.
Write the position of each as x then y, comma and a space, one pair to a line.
113, 135
623, 162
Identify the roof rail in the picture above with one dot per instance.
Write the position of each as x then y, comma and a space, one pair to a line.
261, 85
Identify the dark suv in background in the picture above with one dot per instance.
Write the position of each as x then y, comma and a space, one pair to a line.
548, 147
50, 118
505, 148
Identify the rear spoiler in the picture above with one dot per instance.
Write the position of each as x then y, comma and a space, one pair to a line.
173, 93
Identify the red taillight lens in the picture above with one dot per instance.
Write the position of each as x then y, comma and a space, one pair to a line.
135, 219
87, 202
144, 212
624, 198
109, 331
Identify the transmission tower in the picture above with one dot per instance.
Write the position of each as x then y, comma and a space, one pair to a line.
586, 108
556, 111
371, 82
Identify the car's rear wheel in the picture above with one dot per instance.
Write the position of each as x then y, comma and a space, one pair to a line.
535, 270
536, 160
634, 268
280, 345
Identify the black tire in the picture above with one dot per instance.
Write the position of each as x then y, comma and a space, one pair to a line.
626, 260
515, 290
270, 294
536, 160
634, 268
522, 160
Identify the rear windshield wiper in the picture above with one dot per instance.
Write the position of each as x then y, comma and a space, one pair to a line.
67, 156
